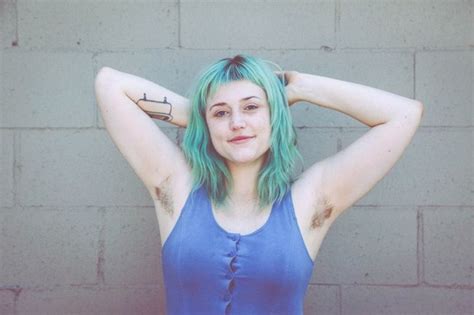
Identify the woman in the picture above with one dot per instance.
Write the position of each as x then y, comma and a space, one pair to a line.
238, 235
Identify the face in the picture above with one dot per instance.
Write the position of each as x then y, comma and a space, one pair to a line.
238, 118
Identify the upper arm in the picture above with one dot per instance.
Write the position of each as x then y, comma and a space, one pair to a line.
151, 154
344, 178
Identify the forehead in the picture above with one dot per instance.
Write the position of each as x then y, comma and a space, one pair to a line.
234, 91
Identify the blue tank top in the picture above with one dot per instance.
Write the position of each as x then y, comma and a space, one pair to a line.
208, 270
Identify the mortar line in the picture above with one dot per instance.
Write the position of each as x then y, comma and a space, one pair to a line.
16, 166
414, 74
339, 293
337, 21
179, 24
17, 40
368, 49
421, 248
96, 108
17, 293
101, 247
339, 146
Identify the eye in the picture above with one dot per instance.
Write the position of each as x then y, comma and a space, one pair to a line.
251, 107
220, 113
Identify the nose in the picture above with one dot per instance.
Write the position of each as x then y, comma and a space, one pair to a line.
237, 122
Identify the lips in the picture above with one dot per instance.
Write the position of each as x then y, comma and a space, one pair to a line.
240, 139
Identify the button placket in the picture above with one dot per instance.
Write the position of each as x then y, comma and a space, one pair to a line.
232, 254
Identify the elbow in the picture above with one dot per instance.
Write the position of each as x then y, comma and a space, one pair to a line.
105, 73
105, 78
419, 105
416, 108
416, 113
106, 82
412, 113
420, 108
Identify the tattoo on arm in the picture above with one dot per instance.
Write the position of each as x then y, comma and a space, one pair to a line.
162, 115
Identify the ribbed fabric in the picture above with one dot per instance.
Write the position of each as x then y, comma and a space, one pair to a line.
210, 271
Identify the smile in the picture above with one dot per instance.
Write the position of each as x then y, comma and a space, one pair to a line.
241, 139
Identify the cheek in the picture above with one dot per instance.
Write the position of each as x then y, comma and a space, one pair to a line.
214, 132
264, 125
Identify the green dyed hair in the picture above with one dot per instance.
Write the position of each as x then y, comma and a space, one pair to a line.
208, 167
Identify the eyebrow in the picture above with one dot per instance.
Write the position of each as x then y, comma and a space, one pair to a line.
223, 103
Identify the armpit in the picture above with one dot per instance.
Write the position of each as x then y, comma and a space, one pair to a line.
163, 195
322, 212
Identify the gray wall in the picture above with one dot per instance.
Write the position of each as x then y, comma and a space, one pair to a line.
78, 228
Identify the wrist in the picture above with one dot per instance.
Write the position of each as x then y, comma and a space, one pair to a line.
301, 87
291, 88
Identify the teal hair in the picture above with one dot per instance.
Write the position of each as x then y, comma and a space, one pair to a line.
208, 167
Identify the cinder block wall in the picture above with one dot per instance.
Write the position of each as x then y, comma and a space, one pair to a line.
78, 228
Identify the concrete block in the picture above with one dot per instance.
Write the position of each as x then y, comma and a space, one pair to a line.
6, 169
98, 25
58, 167
413, 180
315, 145
444, 83
361, 300
8, 19
257, 24
93, 300
53, 89
448, 242
370, 246
7, 302
400, 24
132, 254
46, 247
322, 299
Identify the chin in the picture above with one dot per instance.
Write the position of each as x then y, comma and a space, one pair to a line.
246, 160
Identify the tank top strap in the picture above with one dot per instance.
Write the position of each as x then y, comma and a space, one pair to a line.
284, 208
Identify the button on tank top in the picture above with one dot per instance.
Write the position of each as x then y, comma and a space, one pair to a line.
208, 270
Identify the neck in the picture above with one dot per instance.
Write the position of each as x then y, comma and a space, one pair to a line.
244, 193
244, 181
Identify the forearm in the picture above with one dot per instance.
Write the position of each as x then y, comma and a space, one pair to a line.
155, 100
368, 105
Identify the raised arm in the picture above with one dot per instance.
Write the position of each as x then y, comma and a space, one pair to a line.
127, 104
342, 179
